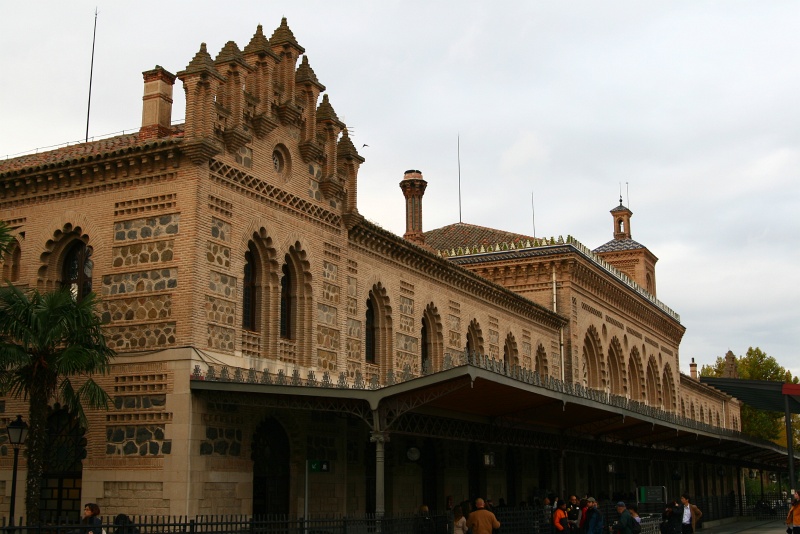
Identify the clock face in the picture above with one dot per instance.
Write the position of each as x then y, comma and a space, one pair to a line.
413, 454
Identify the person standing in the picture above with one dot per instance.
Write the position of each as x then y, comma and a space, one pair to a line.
671, 518
793, 518
481, 520
625, 523
691, 515
560, 520
91, 519
459, 521
594, 519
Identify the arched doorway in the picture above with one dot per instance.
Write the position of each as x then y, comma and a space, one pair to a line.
270, 469
62, 476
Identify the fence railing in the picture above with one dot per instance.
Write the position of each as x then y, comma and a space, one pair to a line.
514, 520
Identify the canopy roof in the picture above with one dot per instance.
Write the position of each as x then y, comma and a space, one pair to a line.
761, 394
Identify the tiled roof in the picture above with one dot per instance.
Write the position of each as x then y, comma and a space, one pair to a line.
463, 235
83, 151
618, 245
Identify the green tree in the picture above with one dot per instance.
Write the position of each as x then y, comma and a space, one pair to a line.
5, 240
756, 365
50, 347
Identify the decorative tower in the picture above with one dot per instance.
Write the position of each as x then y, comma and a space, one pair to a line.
627, 255
413, 187
201, 83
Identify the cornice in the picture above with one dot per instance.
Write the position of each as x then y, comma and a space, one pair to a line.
611, 291
107, 169
375, 240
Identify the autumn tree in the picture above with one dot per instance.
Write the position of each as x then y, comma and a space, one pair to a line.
757, 365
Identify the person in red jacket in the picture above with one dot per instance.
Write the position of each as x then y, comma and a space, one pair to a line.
481, 520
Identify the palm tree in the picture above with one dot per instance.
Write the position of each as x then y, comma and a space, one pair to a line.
50, 346
5, 239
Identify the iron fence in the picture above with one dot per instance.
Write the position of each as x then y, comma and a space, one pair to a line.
528, 520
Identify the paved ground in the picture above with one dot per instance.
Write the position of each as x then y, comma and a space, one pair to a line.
747, 526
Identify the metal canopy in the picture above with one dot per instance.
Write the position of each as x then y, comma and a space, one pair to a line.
476, 394
765, 395
761, 394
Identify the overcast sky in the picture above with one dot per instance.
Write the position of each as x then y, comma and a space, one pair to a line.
691, 106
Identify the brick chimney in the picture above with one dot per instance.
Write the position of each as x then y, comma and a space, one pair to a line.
693, 369
413, 187
157, 104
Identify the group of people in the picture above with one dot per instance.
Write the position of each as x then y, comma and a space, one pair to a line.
583, 517
575, 516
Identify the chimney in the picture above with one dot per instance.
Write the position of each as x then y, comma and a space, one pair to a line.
693, 369
413, 187
157, 104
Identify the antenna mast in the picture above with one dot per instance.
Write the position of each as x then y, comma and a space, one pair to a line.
91, 72
459, 177
533, 215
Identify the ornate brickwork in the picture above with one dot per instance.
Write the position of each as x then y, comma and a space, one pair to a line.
146, 228
151, 308
142, 253
139, 282
353, 348
328, 338
330, 292
222, 284
326, 360
406, 324
138, 337
406, 306
327, 315
137, 440
218, 255
220, 229
220, 311
144, 205
221, 338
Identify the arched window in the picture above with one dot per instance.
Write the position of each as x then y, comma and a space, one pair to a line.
667, 397
592, 362
432, 346
250, 289
654, 396
474, 338
541, 361
287, 300
510, 354
378, 332
615, 370
11, 262
425, 346
370, 349
635, 376
76, 272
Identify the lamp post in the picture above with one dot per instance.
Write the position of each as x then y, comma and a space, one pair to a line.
17, 433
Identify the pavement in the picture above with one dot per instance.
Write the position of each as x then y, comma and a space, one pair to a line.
744, 525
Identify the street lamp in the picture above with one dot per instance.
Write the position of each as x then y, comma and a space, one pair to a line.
17, 432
